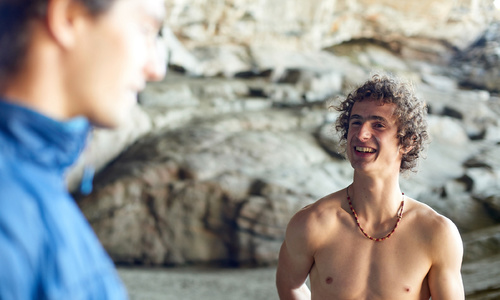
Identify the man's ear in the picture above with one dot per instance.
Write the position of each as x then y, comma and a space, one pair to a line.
63, 19
405, 150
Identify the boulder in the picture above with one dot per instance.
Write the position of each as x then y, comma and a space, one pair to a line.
214, 192
472, 107
329, 139
481, 244
180, 58
449, 144
223, 60
105, 145
478, 65
482, 278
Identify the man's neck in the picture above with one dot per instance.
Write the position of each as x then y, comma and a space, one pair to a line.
375, 199
38, 84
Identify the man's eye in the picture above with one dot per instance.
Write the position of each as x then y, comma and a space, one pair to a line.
159, 33
150, 31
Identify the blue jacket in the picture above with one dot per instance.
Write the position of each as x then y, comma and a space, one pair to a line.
47, 248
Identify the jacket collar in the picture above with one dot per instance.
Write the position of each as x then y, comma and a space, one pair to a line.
41, 139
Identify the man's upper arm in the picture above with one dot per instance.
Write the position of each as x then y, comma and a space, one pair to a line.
445, 279
295, 258
293, 268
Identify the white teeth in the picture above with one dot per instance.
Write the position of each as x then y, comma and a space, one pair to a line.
365, 149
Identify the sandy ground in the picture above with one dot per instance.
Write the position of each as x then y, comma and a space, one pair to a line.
481, 279
199, 283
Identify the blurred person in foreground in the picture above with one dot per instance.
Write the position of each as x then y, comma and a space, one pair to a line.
369, 240
65, 65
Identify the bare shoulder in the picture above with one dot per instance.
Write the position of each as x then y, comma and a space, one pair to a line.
310, 222
429, 217
320, 211
439, 231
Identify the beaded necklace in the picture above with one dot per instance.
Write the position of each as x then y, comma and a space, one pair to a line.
400, 216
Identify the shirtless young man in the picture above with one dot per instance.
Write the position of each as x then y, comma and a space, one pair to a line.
387, 246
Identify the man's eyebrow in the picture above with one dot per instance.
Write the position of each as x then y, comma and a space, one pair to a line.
158, 15
370, 117
159, 18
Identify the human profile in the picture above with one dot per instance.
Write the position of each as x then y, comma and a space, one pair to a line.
65, 66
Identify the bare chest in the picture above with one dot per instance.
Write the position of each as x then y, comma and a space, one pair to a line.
351, 266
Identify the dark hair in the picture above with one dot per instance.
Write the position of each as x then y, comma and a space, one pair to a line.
410, 113
15, 33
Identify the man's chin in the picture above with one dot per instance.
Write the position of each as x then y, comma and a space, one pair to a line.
113, 120
105, 125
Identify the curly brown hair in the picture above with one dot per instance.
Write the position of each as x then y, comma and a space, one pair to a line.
410, 113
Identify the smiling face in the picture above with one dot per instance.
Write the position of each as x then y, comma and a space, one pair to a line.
116, 54
372, 143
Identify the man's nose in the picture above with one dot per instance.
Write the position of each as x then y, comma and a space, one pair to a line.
156, 66
364, 132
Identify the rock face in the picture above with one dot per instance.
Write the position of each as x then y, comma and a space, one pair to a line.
220, 191
482, 264
477, 65
317, 24
233, 31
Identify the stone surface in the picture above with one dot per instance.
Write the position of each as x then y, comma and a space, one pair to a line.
319, 23
482, 278
199, 283
177, 190
478, 65
481, 244
472, 107
480, 282
106, 145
